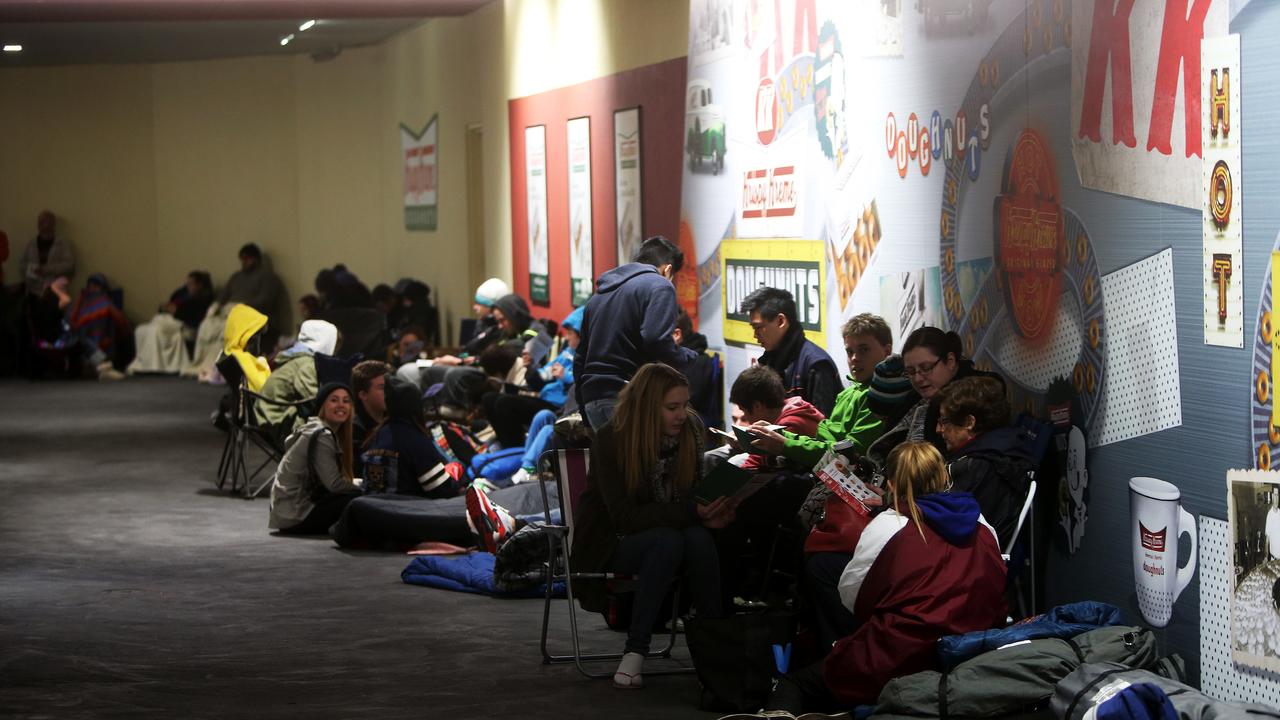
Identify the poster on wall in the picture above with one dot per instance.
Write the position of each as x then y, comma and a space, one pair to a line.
1253, 518
627, 178
420, 158
796, 266
1135, 108
580, 270
1222, 192
535, 168
909, 300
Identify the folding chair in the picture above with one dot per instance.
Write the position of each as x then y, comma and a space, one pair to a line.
1026, 559
568, 470
246, 431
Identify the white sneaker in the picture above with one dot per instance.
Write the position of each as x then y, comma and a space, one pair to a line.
521, 476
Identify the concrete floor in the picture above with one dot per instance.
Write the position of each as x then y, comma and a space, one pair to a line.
130, 587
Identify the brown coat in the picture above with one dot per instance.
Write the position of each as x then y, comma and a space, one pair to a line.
606, 513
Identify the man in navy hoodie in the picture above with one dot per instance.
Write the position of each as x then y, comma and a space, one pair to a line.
807, 370
628, 323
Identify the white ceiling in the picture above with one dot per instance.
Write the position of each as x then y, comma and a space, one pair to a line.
70, 32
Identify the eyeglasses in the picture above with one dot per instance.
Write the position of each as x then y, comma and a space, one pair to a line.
921, 369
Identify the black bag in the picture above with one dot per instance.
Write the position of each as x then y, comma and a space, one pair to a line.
733, 657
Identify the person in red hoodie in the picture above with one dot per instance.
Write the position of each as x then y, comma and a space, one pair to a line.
759, 394
927, 566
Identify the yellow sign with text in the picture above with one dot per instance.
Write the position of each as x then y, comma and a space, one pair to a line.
797, 266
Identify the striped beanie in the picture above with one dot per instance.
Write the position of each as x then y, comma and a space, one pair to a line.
890, 393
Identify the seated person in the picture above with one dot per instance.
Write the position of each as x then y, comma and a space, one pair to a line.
985, 457
413, 309
759, 393
255, 285
487, 332
867, 341
409, 346
294, 378
925, 567
313, 482
368, 382
95, 324
510, 414
400, 457
161, 343
705, 392
638, 516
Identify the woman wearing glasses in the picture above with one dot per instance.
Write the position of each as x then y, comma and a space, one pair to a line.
931, 359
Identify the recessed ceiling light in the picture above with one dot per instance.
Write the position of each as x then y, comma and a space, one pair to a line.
306, 26
13, 48
285, 40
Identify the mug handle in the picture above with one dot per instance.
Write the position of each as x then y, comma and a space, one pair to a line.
1187, 523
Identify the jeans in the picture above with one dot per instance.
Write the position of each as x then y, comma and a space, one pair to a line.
820, 584
598, 413
656, 557
540, 430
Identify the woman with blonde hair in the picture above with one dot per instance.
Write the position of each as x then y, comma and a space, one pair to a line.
638, 515
926, 566
313, 482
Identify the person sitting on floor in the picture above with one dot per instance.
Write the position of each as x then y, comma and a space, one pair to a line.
985, 456
702, 370
400, 457
368, 382
161, 343
313, 482
925, 567
806, 369
759, 393
294, 377
638, 516
95, 325
511, 414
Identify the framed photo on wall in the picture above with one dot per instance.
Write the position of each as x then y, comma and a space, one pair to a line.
535, 169
581, 275
627, 176
1253, 516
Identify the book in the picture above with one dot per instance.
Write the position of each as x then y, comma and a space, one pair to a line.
743, 435
728, 480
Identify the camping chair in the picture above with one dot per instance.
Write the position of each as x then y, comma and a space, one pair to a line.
568, 470
246, 431
1026, 554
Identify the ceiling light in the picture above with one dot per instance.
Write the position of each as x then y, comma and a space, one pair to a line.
13, 48
285, 40
306, 26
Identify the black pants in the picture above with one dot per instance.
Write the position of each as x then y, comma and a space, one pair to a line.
656, 557
802, 690
325, 513
509, 416
766, 516
820, 585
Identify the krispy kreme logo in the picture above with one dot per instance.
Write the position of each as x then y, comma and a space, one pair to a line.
1030, 243
1153, 541
769, 193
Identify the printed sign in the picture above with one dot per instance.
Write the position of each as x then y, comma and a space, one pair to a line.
627, 182
769, 201
797, 266
580, 271
1222, 192
1135, 108
535, 168
418, 152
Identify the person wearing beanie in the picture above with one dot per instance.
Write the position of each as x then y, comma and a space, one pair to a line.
401, 458
313, 482
487, 332
488, 293
867, 341
294, 377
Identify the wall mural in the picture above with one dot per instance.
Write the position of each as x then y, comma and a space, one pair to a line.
1043, 160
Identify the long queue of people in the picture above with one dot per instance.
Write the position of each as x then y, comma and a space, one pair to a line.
442, 449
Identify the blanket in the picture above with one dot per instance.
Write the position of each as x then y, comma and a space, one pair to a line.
471, 573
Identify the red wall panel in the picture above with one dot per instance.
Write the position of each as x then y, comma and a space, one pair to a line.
659, 91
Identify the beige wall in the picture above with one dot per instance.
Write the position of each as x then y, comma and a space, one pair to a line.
160, 169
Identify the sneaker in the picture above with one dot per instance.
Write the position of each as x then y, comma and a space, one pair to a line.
108, 373
490, 522
523, 475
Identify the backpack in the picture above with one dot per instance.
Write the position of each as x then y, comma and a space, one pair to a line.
734, 658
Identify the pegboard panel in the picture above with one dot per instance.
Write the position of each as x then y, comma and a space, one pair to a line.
1142, 393
1037, 365
1219, 676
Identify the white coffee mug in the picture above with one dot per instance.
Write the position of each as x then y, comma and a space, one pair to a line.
1158, 521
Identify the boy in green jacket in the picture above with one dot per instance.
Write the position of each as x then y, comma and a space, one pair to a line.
867, 340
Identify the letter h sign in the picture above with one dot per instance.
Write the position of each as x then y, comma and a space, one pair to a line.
1220, 102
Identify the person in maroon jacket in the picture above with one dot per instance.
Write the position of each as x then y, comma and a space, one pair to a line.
926, 567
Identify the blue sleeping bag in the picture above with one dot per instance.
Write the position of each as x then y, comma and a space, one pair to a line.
1064, 621
471, 573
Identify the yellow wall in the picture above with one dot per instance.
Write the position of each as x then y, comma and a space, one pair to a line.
159, 169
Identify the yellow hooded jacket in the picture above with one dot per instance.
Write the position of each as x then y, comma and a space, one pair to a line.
242, 324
